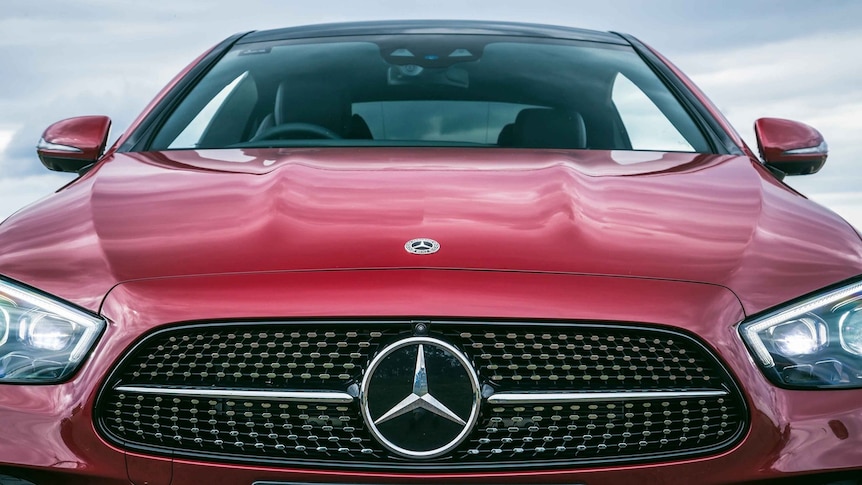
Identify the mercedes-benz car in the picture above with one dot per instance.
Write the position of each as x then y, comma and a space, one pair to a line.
430, 251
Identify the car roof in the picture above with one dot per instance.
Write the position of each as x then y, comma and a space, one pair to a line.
432, 27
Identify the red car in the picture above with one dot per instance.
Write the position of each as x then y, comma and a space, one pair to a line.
430, 252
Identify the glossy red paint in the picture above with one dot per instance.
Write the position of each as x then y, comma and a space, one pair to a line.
790, 146
711, 219
74, 143
149, 470
790, 432
694, 243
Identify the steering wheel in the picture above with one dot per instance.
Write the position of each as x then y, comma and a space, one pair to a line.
279, 131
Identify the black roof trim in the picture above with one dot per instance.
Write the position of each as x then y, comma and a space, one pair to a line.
432, 27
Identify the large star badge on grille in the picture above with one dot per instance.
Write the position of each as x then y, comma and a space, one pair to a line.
421, 397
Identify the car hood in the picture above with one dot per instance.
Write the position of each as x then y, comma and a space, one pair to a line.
711, 219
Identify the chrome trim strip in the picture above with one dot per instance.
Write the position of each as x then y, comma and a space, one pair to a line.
330, 397
45, 145
576, 397
819, 149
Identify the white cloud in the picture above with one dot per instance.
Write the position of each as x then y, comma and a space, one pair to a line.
754, 59
5, 138
813, 79
846, 204
810, 78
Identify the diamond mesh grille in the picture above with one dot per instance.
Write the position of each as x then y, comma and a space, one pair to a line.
610, 430
253, 357
588, 358
332, 357
247, 427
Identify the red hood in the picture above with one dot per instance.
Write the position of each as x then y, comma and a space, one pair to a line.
711, 219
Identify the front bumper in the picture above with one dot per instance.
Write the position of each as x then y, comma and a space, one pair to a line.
49, 436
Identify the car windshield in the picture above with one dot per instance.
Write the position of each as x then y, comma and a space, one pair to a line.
431, 90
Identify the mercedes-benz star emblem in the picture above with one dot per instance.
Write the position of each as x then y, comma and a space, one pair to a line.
420, 397
422, 245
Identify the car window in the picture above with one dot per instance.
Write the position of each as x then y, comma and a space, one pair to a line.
431, 90
193, 133
646, 126
477, 122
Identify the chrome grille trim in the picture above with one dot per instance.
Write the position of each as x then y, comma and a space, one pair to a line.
622, 362
584, 397
314, 397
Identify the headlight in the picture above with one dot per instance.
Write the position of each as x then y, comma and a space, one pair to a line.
42, 339
815, 343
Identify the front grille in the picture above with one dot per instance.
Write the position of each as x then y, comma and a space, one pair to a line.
258, 356
236, 426
604, 431
211, 391
589, 358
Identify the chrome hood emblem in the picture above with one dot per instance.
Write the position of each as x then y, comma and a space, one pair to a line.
422, 245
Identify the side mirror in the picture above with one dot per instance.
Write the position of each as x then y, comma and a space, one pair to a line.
73, 144
792, 147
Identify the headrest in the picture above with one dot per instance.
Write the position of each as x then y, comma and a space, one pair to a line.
506, 136
549, 128
301, 103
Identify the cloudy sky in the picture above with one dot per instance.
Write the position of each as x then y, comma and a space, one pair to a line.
779, 58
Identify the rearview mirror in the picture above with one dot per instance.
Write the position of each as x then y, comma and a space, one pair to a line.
792, 147
72, 144
412, 74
